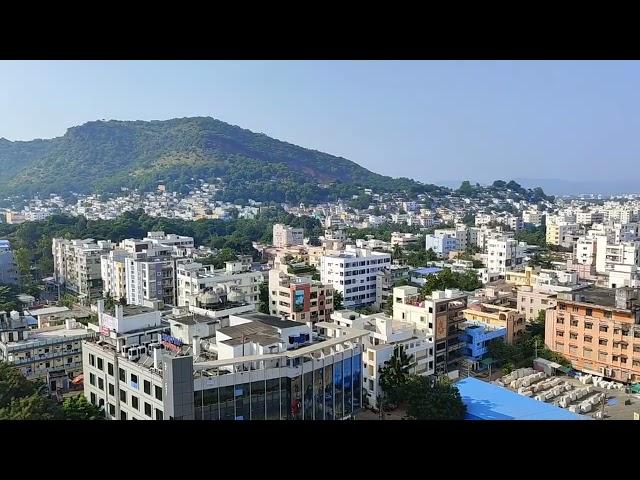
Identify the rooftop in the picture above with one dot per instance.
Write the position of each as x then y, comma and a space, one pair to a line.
427, 270
595, 295
486, 401
270, 320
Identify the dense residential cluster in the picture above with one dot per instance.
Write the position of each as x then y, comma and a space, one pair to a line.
466, 286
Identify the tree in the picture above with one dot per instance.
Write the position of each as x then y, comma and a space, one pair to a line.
397, 252
67, 300
465, 188
78, 408
8, 300
337, 300
433, 398
264, 298
394, 375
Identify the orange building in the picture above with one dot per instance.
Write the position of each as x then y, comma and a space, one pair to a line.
598, 329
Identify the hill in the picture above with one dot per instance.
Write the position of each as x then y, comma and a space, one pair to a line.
104, 156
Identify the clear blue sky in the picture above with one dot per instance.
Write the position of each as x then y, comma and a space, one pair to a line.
422, 119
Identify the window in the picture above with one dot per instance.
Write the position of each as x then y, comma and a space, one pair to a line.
560, 320
589, 312
559, 333
112, 409
573, 335
123, 415
147, 409
134, 381
602, 341
92, 360
111, 389
147, 387
158, 391
588, 338
100, 364
159, 415
110, 368
134, 402
586, 353
93, 398
92, 379
604, 328
101, 384
123, 376
123, 396
588, 325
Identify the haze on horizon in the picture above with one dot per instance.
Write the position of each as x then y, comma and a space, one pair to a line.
428, 120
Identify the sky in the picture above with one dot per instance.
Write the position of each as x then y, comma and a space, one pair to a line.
428, 120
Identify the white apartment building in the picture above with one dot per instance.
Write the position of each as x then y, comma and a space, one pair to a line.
505, 255
609, 255
353, 273
8, 265
236, 283
585, 251
113, 271
440, 316
442, 242
77, 265
624, 276
533, 217
385, 335
284, 235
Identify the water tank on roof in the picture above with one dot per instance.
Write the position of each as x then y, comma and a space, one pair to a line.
14, 315
235, 296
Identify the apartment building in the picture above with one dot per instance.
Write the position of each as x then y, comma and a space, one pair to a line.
113, 272
8, 265
284, 235
299, 298
442, 242
498, 316
236, 282
256, 367
584, 252
353, 273
532, 300
609, 255
505, 255
440, 316
38, 352
532, 217
405, 240
624, 276
386, 280
385, 335
77, 265
597, 330
561, 233
476, 338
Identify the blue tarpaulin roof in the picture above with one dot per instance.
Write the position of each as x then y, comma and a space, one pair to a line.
486, 401
427, 270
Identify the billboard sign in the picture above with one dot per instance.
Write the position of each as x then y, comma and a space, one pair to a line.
298, 300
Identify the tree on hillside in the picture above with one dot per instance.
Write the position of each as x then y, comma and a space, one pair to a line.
465, 188
433, 398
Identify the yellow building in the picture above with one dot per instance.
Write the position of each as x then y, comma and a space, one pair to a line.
498, 316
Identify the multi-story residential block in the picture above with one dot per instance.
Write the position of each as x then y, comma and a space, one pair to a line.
113, 271
561, 233
440, 316
353, 273
532, 300
442, 242
505, 255
498, 316
532, 217
256, 367
386, 280
476, 338
77, 265
609, 255
585, 251
385, 335
405, 239
299, 298
40, 351
236, 282
284, 235
598, 330
14, 218
624, 276
8, 265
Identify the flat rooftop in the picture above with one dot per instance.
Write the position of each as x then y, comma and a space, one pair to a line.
270, 320
486, 401
595, 295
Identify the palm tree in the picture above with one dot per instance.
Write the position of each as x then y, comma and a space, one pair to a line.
397, 252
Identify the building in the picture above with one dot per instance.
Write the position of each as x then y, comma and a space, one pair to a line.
419, 275
353, 273
40, 351
505, 255
385, 335
299, 298
497, 316
597, 330
405, 240
113, 272
236, 282
256, 367
476, 338
442, 242
531, 301
584, 251
77, 265
609, 255
386, 280
8, 265
440, 316
14, 218
284, 235
624, 276
561, 233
